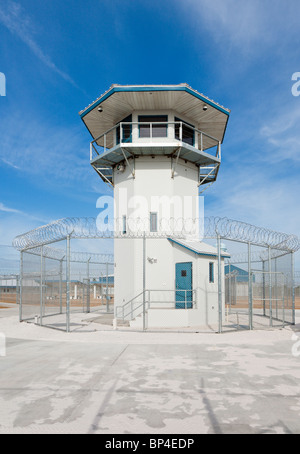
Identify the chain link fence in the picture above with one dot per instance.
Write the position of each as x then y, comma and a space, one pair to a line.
9, 275
259, 288
57, 284
237, 277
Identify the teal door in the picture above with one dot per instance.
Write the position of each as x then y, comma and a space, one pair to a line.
184, 285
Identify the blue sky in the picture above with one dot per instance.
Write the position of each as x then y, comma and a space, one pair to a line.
59, 56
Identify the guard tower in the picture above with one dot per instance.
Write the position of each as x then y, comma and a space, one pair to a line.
158, 147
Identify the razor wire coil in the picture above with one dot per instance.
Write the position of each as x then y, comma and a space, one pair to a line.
210, 228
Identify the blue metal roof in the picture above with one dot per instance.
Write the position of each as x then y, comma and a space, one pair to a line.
197, 251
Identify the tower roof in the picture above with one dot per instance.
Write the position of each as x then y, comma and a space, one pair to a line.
199, 248
121, 100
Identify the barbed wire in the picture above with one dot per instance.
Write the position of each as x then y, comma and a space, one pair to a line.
209, 228
255, 256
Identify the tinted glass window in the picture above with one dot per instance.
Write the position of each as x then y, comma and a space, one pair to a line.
211, 272
160, 130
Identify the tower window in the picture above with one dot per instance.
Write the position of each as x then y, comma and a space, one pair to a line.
153, 130
124, 225
211, 273
153, 222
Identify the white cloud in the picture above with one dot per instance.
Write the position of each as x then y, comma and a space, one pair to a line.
6, 209
245, 23
10, 164
282, 136
9, 210
55, 153
257, 195
14, 18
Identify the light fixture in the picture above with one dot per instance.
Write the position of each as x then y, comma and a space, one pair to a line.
100, 109
205, 107
121, 168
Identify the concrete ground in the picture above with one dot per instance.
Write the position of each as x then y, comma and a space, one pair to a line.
154, 383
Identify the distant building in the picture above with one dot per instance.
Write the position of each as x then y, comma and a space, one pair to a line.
240, 274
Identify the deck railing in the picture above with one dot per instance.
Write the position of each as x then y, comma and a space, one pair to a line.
143, 133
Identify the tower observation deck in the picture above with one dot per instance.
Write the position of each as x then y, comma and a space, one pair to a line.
174, 121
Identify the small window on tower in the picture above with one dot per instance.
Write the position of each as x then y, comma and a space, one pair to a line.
153, 222
124, 227
211, 273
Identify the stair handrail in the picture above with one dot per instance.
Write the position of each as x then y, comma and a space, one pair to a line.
129, 303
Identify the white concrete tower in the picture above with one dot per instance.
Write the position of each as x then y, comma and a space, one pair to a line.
156, 146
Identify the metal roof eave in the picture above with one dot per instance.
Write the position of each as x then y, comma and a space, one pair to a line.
206, 254
184, 88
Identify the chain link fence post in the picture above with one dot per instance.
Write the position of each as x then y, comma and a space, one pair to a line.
144, 281
220, 309
293, 287
41, 286
88, 290
250, 300
60, 285
264, 286
21, 287
106, 290
68, 273
270, 286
